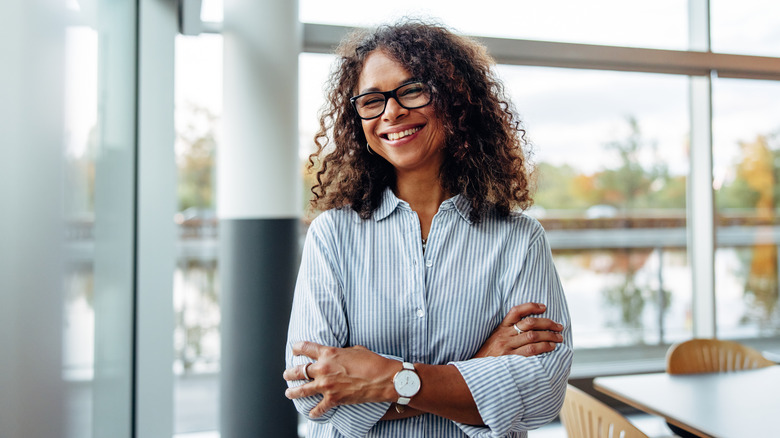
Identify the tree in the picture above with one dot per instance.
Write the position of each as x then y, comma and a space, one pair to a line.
195, 154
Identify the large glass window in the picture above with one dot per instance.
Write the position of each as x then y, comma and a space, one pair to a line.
612, 167
198, 101
658, 24
746, 155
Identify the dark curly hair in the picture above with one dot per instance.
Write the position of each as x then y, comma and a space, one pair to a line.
484, 156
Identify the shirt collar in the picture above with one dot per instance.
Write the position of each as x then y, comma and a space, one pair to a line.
390, 203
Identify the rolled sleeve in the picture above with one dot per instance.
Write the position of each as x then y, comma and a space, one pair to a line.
516, 393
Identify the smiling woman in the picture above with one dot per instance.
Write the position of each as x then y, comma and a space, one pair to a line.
419, 280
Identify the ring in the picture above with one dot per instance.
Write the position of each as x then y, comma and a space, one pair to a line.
305, 372
517, 329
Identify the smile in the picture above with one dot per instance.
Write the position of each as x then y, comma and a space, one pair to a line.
392, 136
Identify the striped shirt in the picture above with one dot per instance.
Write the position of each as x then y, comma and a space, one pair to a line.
368, 282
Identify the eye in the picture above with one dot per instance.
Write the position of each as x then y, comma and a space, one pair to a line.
412, 90
371, 101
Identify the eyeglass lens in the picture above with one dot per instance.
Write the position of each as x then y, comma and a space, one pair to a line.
409, 96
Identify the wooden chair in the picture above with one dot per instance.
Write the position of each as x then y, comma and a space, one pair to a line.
712, 356
584, 416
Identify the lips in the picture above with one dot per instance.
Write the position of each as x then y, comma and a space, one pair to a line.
394, 136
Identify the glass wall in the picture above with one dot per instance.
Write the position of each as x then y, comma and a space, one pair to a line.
612, 166
658, 24
198, 101
99, 212
746, 155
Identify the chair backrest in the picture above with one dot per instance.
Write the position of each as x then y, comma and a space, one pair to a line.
712, 356
584, 416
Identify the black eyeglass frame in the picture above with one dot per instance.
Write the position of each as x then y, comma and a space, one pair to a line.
394, 94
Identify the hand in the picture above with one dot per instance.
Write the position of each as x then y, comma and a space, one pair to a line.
343, 376
539, 335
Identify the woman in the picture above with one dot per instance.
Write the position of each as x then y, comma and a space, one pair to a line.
405, 321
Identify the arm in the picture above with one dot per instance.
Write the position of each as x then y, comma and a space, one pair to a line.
318, 315
513, 392
356, 375
539, 335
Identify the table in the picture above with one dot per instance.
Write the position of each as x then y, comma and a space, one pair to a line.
724, 405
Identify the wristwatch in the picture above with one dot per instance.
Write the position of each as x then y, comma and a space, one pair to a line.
407, 384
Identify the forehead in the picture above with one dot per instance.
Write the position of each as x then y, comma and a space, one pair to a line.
381, 73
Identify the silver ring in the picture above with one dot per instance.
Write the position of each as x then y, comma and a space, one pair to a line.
517, 329
305, 372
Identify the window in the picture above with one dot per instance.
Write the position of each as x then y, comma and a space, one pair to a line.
659, 24
612, 169
198, 101
747, 182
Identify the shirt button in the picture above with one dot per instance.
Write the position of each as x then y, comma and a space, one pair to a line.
420, 312
429, 263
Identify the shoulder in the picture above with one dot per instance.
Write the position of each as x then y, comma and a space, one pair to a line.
334, 222
517, 222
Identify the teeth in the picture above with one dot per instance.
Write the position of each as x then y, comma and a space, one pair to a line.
399, 135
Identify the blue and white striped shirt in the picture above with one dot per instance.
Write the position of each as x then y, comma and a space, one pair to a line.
368, 282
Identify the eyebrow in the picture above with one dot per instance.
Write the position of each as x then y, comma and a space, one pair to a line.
401, 84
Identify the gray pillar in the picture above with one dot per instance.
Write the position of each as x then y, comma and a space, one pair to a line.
258, 180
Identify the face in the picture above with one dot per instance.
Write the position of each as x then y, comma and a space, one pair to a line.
409, 139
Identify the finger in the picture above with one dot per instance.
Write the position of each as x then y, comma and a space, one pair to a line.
323, 406
536, 336
518, 312
536, 348
305, 348
296, 372
305, 390
532, 323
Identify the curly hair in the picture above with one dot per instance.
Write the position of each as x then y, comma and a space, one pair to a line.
484, 144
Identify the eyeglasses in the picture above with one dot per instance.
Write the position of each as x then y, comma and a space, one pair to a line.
410, 96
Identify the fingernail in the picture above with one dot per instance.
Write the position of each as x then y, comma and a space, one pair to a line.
287, 393
542, 306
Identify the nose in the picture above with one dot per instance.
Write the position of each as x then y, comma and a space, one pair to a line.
393, 110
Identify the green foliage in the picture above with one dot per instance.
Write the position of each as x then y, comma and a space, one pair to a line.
640, 180
195, 155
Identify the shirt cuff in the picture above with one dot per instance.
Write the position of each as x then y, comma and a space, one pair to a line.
497, 393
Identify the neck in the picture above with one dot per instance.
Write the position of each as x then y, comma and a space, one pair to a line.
424, 194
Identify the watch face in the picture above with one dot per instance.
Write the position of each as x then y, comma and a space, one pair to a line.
407, 383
